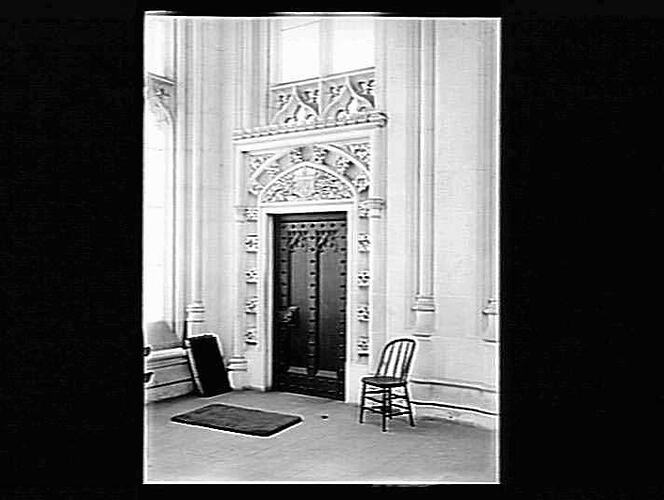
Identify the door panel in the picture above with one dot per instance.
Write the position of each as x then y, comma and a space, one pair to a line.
310, 304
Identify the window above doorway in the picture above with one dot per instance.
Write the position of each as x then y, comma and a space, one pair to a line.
312, 47
322, 70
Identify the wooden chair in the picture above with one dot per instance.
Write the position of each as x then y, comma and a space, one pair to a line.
392, 373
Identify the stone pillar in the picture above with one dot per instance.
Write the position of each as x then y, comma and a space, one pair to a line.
400, 98
424, 304
195, 308
182, 159
489, 166
376, 206
254, 71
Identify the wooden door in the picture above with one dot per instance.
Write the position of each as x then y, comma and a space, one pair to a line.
310, 304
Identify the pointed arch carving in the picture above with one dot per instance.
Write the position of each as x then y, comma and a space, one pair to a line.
333, 98
307, 181
337, 161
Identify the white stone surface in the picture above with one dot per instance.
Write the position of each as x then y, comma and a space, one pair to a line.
463, 209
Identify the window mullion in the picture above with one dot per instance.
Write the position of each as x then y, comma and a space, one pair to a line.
275, 57
325, 46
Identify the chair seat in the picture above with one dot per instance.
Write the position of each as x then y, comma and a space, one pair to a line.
384, 381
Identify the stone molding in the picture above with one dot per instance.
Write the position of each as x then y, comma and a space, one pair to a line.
377, 118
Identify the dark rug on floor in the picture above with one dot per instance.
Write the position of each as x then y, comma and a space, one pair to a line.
237, 419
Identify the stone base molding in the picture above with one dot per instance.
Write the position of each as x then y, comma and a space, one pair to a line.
472, 404
237, 372
461, 415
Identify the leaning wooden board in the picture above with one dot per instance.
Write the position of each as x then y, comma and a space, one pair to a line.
208, 365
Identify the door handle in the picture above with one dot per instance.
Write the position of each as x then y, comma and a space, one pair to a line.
288, 315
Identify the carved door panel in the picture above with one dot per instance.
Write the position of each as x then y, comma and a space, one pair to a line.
310, 304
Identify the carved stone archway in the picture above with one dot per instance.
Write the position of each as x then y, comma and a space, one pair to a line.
319, 173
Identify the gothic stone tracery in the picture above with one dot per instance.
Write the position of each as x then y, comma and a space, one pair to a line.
313, 173
310, 173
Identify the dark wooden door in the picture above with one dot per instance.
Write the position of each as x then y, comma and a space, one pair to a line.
310, 304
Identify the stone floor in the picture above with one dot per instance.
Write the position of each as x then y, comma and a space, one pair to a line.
336, 448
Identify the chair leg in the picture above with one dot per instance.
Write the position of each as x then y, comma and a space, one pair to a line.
384, 412
389, 403
410, 408
364, 389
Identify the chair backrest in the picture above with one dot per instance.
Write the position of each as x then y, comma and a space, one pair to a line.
396, 358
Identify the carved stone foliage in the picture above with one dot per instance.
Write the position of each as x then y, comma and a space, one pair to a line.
277, 179
363, 312
251, 275
160, 97
318, 154
321, 100
254, 162
251, 336
361, 151
251, 305
363, 278
295, 156
307, 183
363, 242
251, 243
342, 164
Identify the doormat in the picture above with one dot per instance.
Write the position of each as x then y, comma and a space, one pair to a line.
237, 419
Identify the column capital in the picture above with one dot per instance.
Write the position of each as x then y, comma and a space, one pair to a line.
373, 207
424, 302
425, 315
195, 312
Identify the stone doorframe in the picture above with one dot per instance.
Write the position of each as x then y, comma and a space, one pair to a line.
335, 169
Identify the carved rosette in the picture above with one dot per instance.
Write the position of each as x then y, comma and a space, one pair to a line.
251, 305
363, 278
361, 182
251, 214
363, 345
363, 312
251, 336
251, 243
363, 242
251, 275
